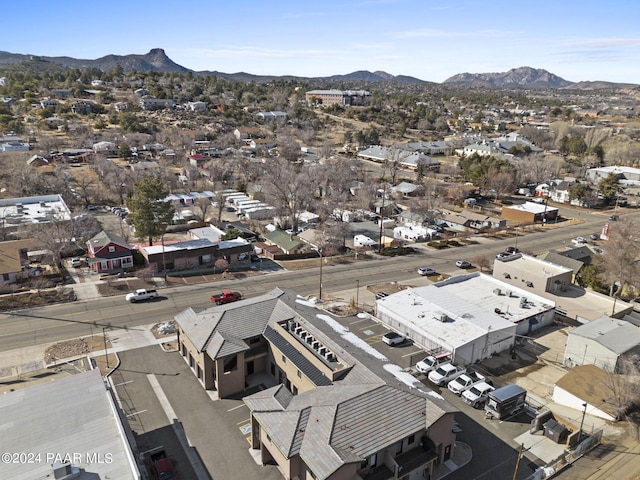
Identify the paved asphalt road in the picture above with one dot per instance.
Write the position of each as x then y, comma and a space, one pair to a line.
36, 326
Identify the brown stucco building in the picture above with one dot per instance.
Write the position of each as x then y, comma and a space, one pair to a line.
331, 414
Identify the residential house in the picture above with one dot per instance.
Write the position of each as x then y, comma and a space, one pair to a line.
288, 243
196, 106
272, 116
149, 103
429, 148
245, 133
14, 260
468, 221
266, 143
81, 108
315, 386
108, 253
61, 93
404, 189
48, 103
106, 148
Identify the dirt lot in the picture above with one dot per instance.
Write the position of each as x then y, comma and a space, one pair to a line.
36, 299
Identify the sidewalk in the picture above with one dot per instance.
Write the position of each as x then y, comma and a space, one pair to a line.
28, 360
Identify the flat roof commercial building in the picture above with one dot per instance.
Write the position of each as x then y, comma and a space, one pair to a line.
473, 316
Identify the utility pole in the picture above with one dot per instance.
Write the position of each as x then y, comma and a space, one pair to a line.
520, 452
384, 194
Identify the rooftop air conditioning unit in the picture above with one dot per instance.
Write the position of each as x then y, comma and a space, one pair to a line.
304, 334
315, 345
309, 339
291, 325
322, 350
298, 330
508, 293
497, 291
523, 301
443, 317
329, 356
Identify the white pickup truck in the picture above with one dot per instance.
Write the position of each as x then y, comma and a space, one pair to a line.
464, 382
140, 295
445, 373
431, 363
477, 395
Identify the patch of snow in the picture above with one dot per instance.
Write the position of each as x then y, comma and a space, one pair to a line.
351, 337
306, 303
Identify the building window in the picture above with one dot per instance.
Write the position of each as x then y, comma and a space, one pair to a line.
112, 249
273, 369
411, 439
294, 390
284, 359
399, 447
299, 374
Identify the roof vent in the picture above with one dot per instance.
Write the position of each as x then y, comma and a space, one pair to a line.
497, 291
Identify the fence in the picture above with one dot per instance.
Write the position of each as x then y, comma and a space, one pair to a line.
556, 466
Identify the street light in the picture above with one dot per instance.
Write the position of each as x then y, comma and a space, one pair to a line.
320, 295
357, 292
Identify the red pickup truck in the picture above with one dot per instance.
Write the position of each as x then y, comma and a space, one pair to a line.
227, 296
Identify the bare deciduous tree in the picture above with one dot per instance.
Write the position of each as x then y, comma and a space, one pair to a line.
619, 263
289, 190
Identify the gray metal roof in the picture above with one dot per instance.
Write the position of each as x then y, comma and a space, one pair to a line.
275, 398
367, 423
619, 336
70, 414
239, 320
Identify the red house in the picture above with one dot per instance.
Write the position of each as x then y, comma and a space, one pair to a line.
109, 253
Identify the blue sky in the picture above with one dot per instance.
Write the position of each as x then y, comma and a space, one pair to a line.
577, 40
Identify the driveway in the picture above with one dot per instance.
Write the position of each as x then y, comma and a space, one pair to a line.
151, 382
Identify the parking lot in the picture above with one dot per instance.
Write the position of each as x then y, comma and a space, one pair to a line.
164, 402
162, 399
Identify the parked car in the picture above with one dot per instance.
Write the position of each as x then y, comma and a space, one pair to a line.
465, 382
579, 241
445, 373
393, 338
432, 362
594, 236
613, 218
502, 255
425, 271
76, 262
463, 264
381, 295
511, 250
477, 395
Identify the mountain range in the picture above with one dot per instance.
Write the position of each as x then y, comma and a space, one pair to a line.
157, 60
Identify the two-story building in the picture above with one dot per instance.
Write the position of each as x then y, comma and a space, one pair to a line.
326, 413
108, 253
